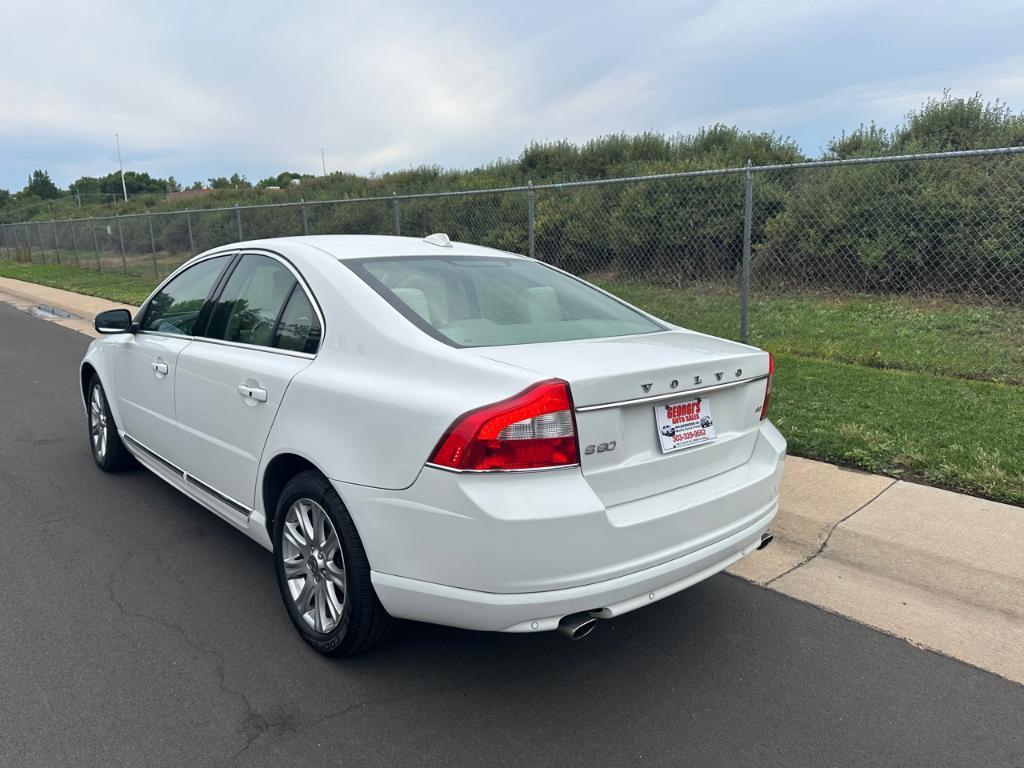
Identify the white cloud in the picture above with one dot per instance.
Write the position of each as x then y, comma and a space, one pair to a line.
201, 89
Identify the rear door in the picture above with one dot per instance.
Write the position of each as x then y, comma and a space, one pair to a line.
145, 363
263, 329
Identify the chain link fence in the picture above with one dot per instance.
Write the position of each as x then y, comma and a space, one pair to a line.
947, 225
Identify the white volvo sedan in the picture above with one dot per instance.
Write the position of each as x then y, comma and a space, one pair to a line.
436, 431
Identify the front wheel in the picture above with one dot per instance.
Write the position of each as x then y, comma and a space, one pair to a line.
108, 451
323, 571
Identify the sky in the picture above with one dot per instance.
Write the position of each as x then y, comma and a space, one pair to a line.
203, 89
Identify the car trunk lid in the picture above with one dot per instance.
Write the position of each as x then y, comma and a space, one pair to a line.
697, 396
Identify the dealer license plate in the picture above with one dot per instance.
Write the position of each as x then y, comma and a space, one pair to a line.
684, 424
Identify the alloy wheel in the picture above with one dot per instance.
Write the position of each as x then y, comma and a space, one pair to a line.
98, 422
314, 566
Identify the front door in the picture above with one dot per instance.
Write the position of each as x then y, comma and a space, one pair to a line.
145, 363
145, 366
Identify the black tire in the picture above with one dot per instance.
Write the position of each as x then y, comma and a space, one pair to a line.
364, 623
114, 456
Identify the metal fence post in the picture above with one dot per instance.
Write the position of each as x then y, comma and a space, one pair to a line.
152, 244
120, 236
531, 221
238, 220
96, 243
748, 222
191, 241
305, 217
397, 213
74, 241
56, 241
28, 243
39, 237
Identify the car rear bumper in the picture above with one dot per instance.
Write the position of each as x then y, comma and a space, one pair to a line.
507, 550
541, 611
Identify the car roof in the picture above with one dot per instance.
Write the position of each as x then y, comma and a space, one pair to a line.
343, 247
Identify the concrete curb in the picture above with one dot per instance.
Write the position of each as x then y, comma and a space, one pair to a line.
25, 296
942, 570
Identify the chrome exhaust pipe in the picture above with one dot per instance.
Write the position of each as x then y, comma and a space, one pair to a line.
766, 538
577, 625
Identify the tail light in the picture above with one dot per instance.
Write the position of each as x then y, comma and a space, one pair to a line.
768, 387
533, 430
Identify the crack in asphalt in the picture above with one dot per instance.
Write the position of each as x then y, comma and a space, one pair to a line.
252, 721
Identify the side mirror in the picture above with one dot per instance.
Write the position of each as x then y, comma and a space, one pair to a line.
114, 321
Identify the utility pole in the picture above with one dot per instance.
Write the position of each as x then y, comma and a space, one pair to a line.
124, 187
323, 162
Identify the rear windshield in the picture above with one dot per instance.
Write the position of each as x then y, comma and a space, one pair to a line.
492, 301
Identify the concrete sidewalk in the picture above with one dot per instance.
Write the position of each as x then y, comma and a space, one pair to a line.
942, 570
26, 296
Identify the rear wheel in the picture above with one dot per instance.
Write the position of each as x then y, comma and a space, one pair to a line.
108, 451
323, 572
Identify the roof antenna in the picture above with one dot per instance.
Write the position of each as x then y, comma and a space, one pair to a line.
438, 238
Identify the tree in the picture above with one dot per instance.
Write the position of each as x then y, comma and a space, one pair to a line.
86, 185
953, 123
5, 197
41, 185
283, 179
196, 184
173, 185
110, 185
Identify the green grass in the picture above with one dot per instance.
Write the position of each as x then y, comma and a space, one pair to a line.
955, 433
941, 337
127, 289
918, 389
922, 390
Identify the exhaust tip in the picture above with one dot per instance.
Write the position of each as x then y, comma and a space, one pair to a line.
766, 539
576, 626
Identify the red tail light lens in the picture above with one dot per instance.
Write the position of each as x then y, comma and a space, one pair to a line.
768, 387
533, 430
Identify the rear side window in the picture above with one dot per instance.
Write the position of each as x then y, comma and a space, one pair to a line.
299, 328
176, 307
251, 302
491, 301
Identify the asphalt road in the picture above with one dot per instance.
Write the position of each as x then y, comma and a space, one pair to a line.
138, 629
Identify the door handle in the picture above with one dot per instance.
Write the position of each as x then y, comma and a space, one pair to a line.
160, 368
252, 393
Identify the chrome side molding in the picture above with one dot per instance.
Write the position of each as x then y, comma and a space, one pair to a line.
209, 490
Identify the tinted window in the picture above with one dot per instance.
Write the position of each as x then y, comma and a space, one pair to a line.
251, 301
176, 307
298, 329
475, 302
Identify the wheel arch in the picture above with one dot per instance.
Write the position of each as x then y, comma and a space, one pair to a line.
85, 376
279, 470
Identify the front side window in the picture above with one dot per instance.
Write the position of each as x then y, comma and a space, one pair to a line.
176, 307
251, 302
491, 301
